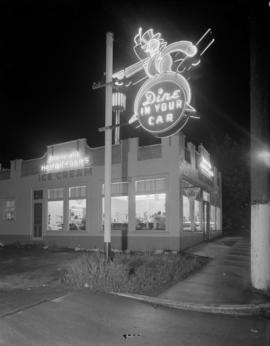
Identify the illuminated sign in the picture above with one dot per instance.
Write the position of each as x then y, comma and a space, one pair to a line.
206, 167
162, 105
65, 162
75, 173
206, 196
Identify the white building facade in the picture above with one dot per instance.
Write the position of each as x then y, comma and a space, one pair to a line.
164, 196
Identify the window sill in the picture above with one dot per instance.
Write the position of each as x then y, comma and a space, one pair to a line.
137, 231
196, 232
64, 232
150, 231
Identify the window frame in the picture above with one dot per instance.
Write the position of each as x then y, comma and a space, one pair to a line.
7, 209
56, 199
189, 216
70, 198
119, 193
200, 213
212, 214
157, 190
218, 219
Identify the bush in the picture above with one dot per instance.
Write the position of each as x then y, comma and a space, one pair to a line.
136, 273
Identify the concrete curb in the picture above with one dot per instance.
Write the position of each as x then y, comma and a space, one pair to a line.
236, 310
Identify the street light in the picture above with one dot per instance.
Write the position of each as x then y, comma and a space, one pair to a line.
264, 156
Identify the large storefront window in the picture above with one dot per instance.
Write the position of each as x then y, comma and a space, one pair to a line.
55, 209
119, 205
192, 207
77, 208
218, 219
150, 204
186, 214
212, 218
9, 210
197, 215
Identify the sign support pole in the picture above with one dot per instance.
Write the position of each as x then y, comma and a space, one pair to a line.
108, 144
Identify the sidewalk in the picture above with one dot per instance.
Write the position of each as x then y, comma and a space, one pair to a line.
222, 286
224, 280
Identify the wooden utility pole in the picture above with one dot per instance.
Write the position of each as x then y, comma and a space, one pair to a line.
108, 145
260, 146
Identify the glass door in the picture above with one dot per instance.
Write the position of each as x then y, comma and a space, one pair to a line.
37, 214
206, 220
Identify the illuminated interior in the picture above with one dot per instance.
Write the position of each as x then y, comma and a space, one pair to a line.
151, 212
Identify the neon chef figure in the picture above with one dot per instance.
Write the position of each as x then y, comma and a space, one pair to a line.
155, 55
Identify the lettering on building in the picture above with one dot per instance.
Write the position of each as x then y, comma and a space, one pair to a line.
65, 175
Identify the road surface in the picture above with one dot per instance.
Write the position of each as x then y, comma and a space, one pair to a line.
87, 318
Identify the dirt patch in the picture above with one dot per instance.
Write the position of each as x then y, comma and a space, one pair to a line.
13, 300
30, 276
20, 268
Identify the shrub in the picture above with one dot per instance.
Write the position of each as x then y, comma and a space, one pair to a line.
94, 271
136, 273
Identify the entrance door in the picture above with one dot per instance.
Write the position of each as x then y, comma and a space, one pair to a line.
37, 220
37, 214
206, 220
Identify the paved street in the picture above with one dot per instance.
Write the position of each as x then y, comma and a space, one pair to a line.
85, 318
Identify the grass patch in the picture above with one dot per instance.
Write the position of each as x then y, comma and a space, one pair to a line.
133, 273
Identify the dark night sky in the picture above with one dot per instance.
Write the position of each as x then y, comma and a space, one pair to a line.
53, 51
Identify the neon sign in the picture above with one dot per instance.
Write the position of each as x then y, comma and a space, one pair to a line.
162, 105
206, 167
65, 162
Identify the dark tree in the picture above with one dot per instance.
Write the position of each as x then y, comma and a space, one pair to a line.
232, 159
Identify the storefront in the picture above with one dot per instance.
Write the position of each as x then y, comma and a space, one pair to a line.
164, 196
